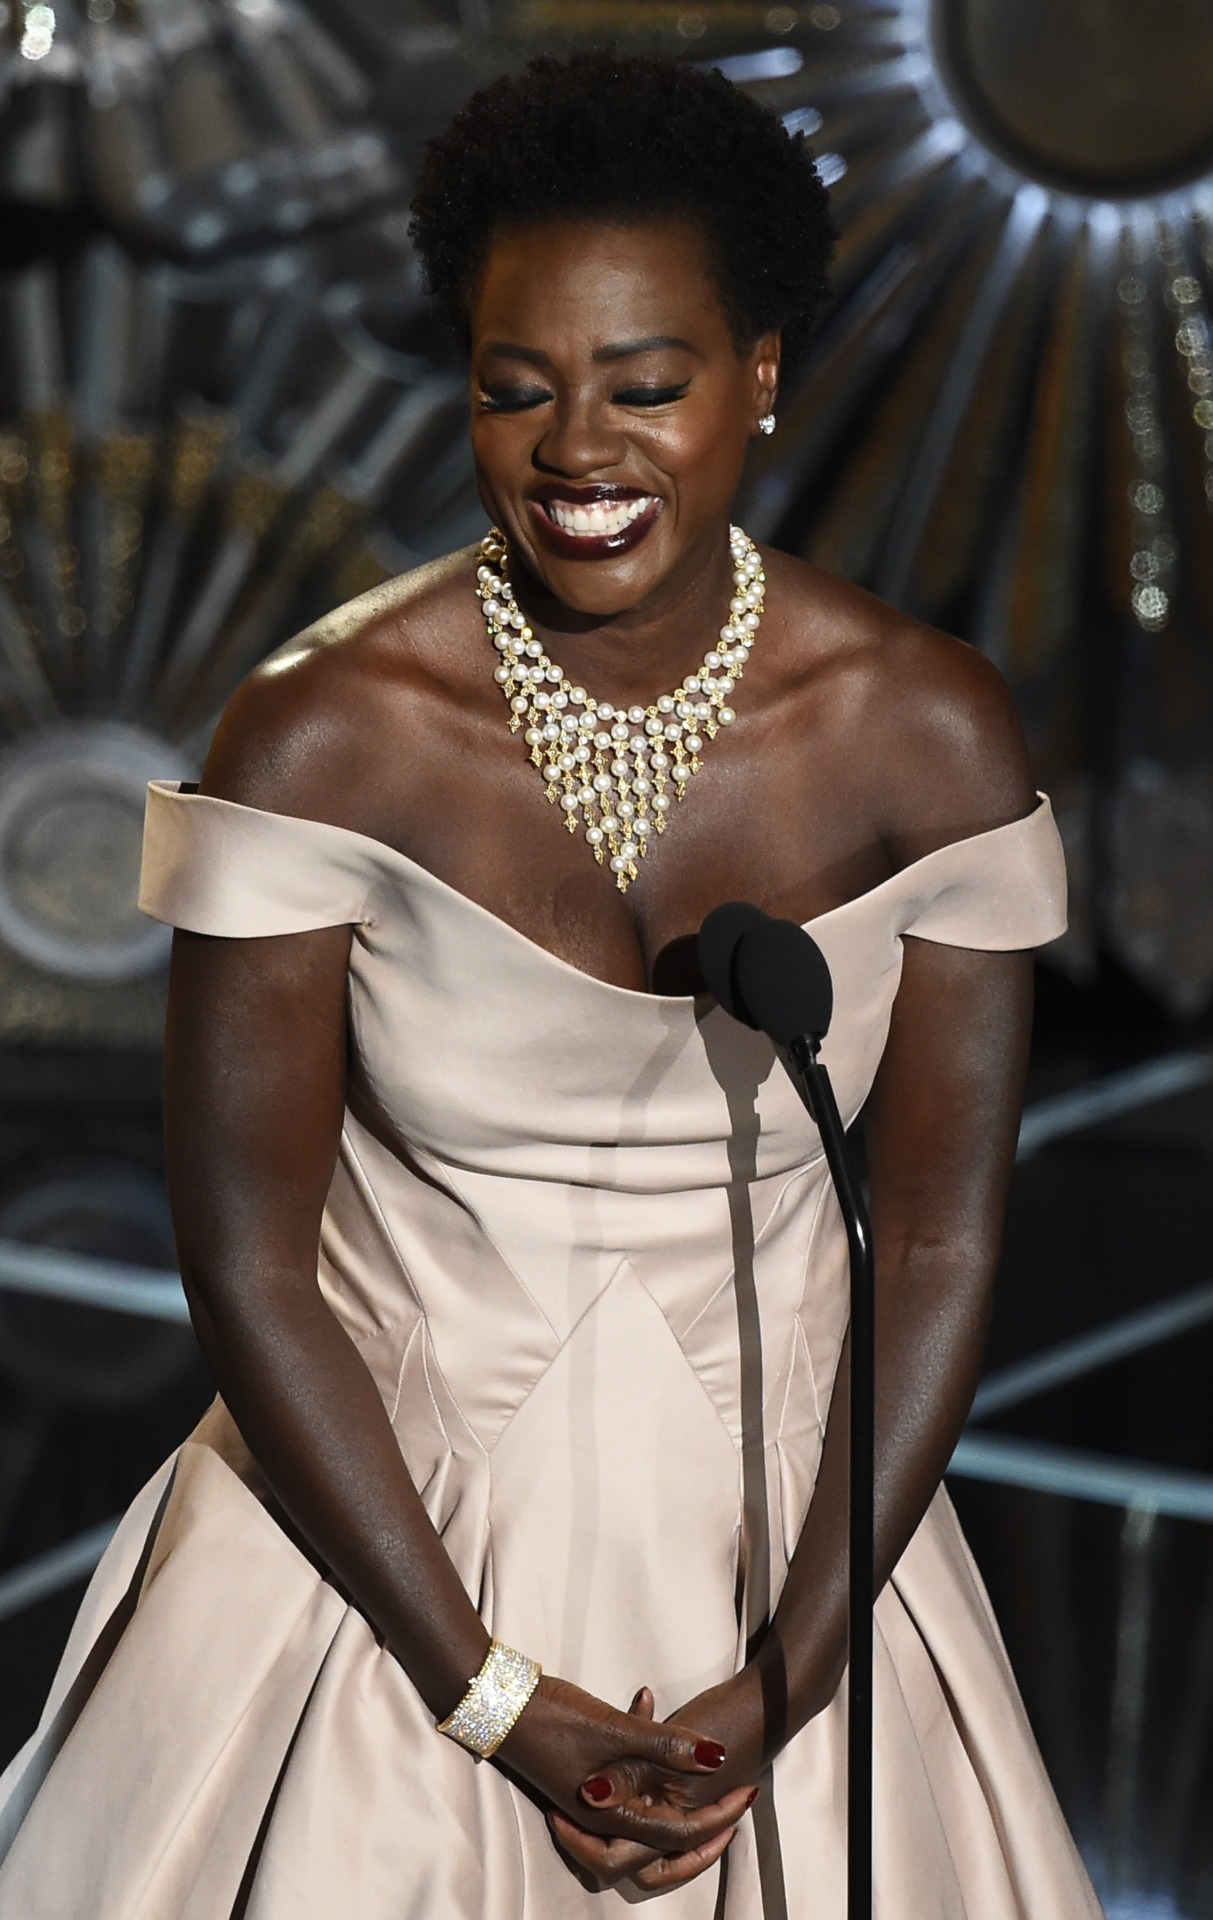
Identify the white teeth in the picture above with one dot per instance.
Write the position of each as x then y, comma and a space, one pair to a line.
603, 517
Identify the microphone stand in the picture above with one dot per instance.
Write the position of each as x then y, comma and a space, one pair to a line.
812, 1082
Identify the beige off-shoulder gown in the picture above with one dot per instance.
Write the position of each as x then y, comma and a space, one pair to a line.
584, 1240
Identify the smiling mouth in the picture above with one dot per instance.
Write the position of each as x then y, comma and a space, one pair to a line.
601, 520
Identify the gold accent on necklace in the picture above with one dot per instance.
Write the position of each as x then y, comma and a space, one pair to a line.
613, 770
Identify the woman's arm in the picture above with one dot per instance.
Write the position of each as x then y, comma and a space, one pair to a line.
254, 1100
940, 1127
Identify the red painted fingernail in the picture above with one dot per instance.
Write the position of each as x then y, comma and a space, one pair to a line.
598, 1788
753, 1796
709, 1753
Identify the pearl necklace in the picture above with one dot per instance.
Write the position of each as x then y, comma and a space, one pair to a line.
613, 770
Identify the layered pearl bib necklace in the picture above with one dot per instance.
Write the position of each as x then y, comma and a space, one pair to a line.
611, 769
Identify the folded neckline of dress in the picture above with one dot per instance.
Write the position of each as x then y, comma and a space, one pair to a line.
177, 789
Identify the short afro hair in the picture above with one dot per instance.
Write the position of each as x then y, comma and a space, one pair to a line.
603, 135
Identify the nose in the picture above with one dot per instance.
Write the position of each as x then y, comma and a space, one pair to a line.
577, 440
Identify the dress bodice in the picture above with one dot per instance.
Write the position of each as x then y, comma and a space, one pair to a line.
486, 1050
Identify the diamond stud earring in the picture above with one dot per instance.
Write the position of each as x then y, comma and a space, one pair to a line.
767, 423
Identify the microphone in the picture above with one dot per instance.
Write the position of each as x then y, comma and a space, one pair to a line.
784, 982
720, 938
772, 975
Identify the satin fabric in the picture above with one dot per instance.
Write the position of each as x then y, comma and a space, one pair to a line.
584, 1240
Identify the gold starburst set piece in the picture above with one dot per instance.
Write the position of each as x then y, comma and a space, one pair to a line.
613, 770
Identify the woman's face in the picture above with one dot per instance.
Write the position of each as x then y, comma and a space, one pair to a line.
611, 409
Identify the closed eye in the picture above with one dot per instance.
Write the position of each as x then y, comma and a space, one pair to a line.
523, 399
649, 396
512, 399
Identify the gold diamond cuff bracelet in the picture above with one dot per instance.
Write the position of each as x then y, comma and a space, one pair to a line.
493, 1701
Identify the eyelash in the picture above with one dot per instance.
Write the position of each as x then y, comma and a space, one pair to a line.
649, 396
522, 402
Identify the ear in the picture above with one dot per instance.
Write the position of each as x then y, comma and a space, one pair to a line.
764, 364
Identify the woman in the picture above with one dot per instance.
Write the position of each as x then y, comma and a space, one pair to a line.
511, 1252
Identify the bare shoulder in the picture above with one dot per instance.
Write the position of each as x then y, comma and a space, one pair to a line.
303, 732
926, 717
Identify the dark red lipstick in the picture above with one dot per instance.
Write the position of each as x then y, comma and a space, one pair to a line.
589, 545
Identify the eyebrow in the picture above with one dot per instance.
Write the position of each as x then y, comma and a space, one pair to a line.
618, 350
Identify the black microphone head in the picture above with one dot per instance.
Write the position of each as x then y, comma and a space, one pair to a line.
783, 979
719, 938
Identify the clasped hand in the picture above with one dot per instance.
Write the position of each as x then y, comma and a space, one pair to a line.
632, 1797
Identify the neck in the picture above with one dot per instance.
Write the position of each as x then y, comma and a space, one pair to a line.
632, 656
